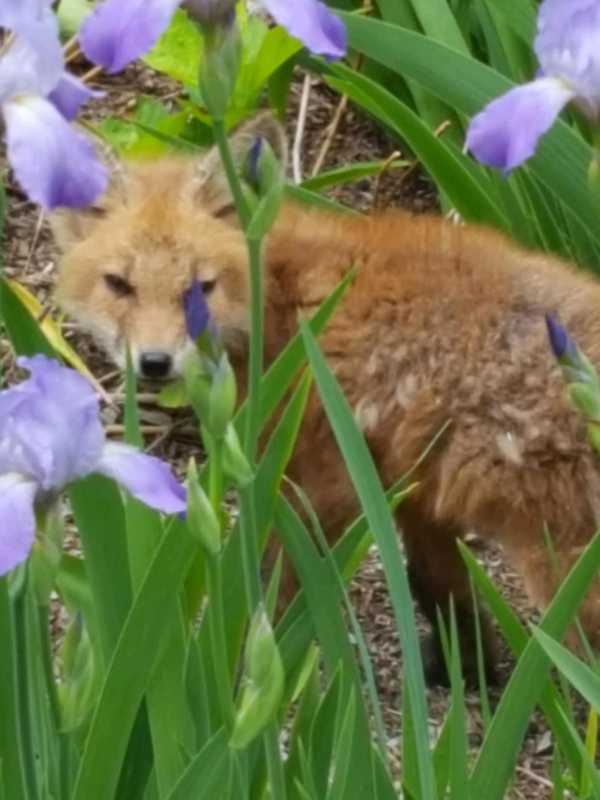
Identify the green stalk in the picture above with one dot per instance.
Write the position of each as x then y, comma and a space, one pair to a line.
214, 583
55, 714
23, 698
220, 661
248, 531
230, 171
274, 765
256, 347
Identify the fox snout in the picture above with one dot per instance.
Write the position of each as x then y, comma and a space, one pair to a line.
155, 364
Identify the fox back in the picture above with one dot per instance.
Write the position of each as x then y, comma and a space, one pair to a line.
442, 331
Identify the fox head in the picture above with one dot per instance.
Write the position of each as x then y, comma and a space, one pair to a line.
127, 262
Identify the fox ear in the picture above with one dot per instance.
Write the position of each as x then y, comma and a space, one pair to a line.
72, 225
211, 180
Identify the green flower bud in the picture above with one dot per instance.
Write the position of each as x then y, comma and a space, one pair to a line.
266, 175
222, 399
220, 68
264, 682
80, 680
235, 463
202, 520
212, 390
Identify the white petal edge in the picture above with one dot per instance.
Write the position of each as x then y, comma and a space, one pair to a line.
17, 520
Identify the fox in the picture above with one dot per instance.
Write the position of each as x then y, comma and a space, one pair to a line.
442, 329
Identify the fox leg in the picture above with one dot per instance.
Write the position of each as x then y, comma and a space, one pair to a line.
436, 573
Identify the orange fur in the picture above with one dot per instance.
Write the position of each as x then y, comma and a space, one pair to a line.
442, 323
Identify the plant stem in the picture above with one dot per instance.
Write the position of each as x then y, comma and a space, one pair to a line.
214, 585
220, 658
230, 171
61, 738
23, 684
256, 347
248, 531
274, 765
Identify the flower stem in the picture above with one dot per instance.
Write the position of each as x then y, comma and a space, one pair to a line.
23, 696
46, 657
230, 171
248, 529
256, 347
219, 652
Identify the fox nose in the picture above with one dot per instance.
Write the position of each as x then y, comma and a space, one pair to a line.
155, 364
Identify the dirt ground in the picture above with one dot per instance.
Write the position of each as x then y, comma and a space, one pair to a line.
31, 258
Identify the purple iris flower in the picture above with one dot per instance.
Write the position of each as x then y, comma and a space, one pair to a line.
507, 131
50, 435
196, 310
54, 164
119, 31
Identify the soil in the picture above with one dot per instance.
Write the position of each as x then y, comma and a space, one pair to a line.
31, 258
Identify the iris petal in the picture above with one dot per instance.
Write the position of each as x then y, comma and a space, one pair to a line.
70, 94
17, 520
506, 132
65, 170
117, 33
313, 23
147, 478
62, 413
33, 63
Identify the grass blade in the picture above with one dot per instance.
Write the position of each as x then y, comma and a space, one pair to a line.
372, 497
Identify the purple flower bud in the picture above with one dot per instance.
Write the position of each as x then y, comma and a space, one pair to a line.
196, 310
253, 159
561, 343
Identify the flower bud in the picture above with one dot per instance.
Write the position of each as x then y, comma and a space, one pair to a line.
222, 399
78, 687
220, 68
266, 175
235, 463
264, 676
196, 375
202, 520
211, 13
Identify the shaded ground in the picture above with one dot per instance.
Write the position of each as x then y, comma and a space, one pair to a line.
31, 258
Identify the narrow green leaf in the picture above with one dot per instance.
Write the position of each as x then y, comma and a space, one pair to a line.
170, 725
24, 332
207, 773
11, 764
350, 173
277, 378
517, 638
584, 679
131, 667
372, 497
492, 774
103, 538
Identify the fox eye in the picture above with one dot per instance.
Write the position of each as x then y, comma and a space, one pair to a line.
208, 286
118, 284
